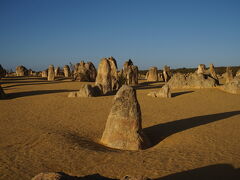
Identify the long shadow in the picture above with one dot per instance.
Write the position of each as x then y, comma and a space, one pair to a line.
181, 93
148, 85
33, 93
159, 132
212, 172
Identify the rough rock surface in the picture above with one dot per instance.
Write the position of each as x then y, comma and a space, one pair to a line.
192, 80
152, 74
57, 71
85, 91
238, 73
164, 92
21, 71
123, 129
51, 74
233, 86
107, 76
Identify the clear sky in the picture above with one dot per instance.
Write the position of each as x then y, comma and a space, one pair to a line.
179, 33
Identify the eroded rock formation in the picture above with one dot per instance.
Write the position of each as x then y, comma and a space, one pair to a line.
130, 73
51, 74
164, 92
152, 74
21, 71
123, 129
166, 73
85, 71
66, 71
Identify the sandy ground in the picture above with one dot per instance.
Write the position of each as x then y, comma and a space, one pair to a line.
195, 134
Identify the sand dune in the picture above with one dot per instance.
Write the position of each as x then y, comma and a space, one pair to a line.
194, 135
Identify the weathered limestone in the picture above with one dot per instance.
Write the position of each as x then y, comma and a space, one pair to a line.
51, 74
238, 73
21, 71
107, 76
85, 91
201, 69
228, 75
233, 86
123, 129
66, 71
164, 92
130, 73
2, 94
212, 73
85, 71
192, 80
152, 74
166, 73
45, 73
57, 71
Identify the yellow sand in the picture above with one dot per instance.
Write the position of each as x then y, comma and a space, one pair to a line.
42, 130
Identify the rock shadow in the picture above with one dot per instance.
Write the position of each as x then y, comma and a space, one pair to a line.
33, 93
181, 93
148, 85
212, 172
159, 132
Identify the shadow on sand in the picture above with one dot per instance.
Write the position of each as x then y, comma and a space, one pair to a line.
181, 93
212, 172
159, 132
33, 93
148, 85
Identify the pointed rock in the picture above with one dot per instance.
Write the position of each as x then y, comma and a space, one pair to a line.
123, 129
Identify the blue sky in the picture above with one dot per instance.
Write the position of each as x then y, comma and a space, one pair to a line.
179, 33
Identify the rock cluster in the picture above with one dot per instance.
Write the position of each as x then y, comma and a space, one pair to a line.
201, 69
84, 72
21, 71
164, 92
152, 74
228, 75
107, 76
192, 80
130, 73
44, 73
123, 128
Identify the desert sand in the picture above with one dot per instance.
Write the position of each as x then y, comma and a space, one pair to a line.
195, 134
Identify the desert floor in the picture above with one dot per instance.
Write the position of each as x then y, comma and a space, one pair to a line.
195, 134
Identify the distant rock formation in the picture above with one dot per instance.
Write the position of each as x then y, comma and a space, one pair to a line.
57, 71
66, 71
201, 69
21, 71
164, 92
228, 75
130, 73
123, 129
192, 80
152, 74
232, 86
51, 74
85, 91
44, 73
107, 76
212, 73
166, 73
84, 72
